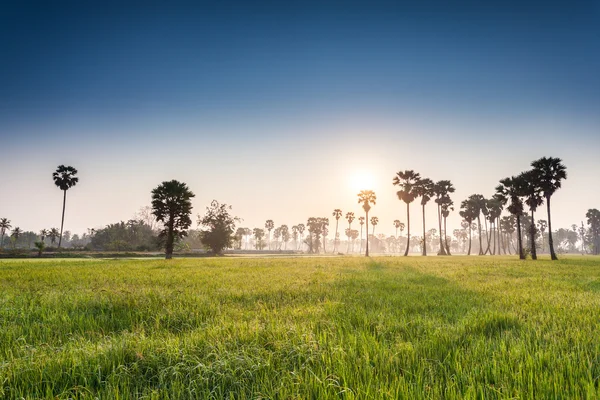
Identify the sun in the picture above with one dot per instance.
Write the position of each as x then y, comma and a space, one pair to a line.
361, 180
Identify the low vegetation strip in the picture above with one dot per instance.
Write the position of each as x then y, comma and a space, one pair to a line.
462, 327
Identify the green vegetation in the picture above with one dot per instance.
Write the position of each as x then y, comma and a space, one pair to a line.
286, 328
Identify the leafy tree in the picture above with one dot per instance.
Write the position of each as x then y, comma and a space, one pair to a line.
64, 178
397, 224
316, 227
532, 192
446, 205
43, 234
509, 191
366, 198
593, 220
220, 225
295, 235
424, 190
542, 225
301, 229
172, 205
53, 235
550, 173
4, 226
269, 225
337, 214
40, 246
407, 181
276, 236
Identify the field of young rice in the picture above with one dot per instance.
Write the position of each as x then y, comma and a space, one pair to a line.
297, 328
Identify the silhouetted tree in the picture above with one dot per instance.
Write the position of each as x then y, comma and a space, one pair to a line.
509, 191
4, 226
259, 234
221, 226
424, 190
53, 235
172, 205
366, 198
532, 192
542, 225
350, 218
15, 235
593, 220
550, 172
441, 190
64, 178
374, 222
407, 180
337, 213
269, 225
301, 228
285, 235
361, 221
447, 205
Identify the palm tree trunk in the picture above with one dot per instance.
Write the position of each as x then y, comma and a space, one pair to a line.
361, 228
470, 236
442, 251
550, 242
519, 238
532, 237
367, 221
479, 229
407, 229
62, 221
424, 233
446, 239
487, 236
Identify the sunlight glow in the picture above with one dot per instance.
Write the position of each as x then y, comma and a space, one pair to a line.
361, 180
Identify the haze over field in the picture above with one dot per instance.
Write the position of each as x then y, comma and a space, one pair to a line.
286, 111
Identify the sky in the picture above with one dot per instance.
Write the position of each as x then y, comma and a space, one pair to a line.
285, 110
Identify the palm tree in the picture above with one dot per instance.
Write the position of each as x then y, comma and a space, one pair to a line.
374, 222
442, 190
510, 189
397, 224
551, 171
301, 229
469, 213
361, 220
16, 234
64, 179
258, 235
295, 235
269, 225
446, 206
542, 225
350, 217
53, 235
532, 192
337, 213
367, 197
494, 207
477, 203
4, 226
593, 220
407, 180
172, 205
43, 234
424, 190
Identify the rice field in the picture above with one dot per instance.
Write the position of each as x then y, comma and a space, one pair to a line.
300, 328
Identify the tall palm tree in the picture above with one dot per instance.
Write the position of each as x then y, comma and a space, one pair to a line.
366, 198
64, 178
43, 234
532, 192
424, 190
350, 217
494, 208
478, 204
53, 235
510, 189
469, 212
301, 229
361, 221
397, 225
4, 226
446, 206
16, 233
374, 222
551, 171
407, 180
442, 190
269, 225
542, 225
593, 220
337, 213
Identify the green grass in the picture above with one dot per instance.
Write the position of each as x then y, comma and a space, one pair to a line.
287, 328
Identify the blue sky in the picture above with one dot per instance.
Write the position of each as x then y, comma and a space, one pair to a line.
269, 106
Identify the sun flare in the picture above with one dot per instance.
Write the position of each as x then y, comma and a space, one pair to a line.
361, 180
